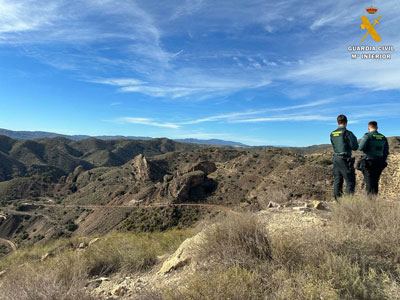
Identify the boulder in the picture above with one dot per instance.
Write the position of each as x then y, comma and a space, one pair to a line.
184, 255
180, 186
318, 205
82, 245
272, 204
141, 168
206, 167
74, 175
144, 169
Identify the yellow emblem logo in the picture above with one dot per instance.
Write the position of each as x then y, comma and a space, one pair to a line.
366, 24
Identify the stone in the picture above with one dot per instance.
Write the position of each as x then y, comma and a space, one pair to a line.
140, 165
167, 177
120, 290
272, 204
103, 279
184, 255
46, 256
93, 241
302, 209
180, 186
82, 245
318, 205
207, 167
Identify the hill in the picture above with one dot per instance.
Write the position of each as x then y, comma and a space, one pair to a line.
142, 197
347, 252
93, 186
42, 134
61, 155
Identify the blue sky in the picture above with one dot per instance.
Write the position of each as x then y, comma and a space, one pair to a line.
257, 72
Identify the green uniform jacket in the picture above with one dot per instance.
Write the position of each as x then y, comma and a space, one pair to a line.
343, 141
374, 144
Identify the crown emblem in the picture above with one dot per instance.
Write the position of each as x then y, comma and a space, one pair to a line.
371, 10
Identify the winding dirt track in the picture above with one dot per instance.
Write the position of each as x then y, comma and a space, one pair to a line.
154, 205
10, 243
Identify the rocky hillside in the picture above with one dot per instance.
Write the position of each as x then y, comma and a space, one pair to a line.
347, 250
60, 156
79, 188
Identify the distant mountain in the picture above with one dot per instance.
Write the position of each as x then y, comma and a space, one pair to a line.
60, 156
212, 142
29, 135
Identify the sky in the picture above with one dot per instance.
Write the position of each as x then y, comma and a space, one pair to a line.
256, 71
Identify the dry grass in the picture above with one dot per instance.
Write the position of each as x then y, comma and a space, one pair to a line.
356, 257
65, 275
128, 253
234, 283
239, 240
61, 279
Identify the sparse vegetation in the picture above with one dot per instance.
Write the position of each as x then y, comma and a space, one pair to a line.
238, 240
161, 219
61, 279
64, 274
356, 257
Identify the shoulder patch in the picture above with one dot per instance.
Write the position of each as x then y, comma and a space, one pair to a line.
336, 133
378, 136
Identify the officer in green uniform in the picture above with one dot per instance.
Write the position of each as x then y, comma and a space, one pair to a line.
376, 150
343, 142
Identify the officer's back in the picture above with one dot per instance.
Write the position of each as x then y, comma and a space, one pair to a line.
343, 142
375, 149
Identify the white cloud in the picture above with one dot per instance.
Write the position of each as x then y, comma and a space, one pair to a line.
235, 116
135, 32
186, 82
290, 118
119, 81
338, 68
19, 16
146, 121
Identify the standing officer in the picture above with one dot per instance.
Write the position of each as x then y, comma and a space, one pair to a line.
376, 150
343, 142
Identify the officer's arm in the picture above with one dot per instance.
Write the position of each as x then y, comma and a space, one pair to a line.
363, 143
353, 141
386, 151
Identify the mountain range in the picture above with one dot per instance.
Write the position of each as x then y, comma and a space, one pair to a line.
43, 134
55, 187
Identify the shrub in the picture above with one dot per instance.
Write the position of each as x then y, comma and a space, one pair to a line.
62, 279
114, 253
239, 240
356, 257
234, 283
